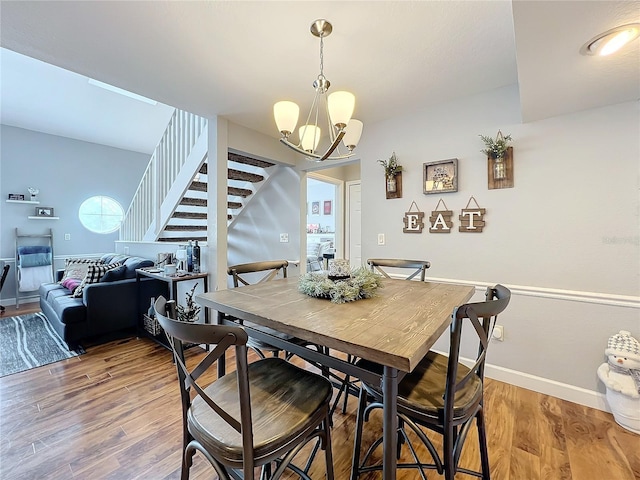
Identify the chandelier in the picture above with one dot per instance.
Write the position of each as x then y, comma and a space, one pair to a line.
337, 108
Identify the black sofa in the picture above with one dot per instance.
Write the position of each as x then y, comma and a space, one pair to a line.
105, 307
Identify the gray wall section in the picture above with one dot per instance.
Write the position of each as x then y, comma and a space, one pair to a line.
66, 172
565, 238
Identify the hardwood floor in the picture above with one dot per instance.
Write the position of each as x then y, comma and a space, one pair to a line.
114, 413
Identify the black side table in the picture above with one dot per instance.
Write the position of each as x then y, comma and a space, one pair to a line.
327, 257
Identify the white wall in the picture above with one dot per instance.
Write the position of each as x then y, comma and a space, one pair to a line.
565, 238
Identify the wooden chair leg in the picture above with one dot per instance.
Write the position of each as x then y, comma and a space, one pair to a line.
482, 437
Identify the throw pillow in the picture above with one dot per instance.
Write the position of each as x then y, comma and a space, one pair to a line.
114, 275
94, 274
71, 284
76, 268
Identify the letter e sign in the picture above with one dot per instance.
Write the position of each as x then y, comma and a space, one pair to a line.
413, 221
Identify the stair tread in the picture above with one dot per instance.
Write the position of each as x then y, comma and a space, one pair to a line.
238, 192
192, 215
235, 157
185, 228
233, 174
182, 239
198, 202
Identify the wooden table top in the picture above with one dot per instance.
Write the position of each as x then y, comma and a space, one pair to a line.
395, 328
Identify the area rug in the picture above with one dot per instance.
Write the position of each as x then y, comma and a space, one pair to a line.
29, 341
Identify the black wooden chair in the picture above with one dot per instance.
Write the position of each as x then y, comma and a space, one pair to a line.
261, 415
381, 266
441, 394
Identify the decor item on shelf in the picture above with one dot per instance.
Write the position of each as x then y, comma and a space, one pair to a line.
362, 284
393, 176
16, 196
196, 258
34, 193
181, 257
191, 312
621, 376
338, 108
500, 160
413, 221
440, 176
472, 219
44, 212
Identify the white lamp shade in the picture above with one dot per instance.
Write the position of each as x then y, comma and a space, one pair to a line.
352, 134
341, 105
286, 116
309, 137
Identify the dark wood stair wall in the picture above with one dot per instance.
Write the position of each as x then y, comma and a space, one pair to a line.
196, 186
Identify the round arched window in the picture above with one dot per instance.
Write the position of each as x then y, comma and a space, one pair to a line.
101, 214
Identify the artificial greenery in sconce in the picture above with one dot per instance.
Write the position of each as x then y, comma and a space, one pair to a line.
496, 148
391, 167
191, 311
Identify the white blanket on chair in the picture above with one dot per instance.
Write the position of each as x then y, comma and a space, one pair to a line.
29, 279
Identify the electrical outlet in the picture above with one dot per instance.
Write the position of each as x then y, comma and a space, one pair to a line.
284, 238
498, 333
67, 236
381, 239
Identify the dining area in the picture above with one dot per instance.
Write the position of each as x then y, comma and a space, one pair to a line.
376, 351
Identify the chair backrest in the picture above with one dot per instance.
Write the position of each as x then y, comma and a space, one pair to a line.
482, 317
220, 338
272, 267
416, 266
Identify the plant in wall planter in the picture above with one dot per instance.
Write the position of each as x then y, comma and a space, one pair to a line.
392, 173
500, 158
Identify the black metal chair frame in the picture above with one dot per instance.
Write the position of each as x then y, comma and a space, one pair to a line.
347, 386
5, 270
280, 451
452, 421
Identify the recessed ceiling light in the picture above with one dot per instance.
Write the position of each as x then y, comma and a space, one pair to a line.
612, 40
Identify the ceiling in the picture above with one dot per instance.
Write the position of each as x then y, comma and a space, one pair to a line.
236, 58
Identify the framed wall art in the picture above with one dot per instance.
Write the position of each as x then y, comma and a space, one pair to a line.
315, 208
327, 207
44, 212
441, 176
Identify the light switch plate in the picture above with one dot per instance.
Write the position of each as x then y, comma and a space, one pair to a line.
381, 239
284, 238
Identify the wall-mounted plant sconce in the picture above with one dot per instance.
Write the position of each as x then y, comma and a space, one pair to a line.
499, 161
392, 176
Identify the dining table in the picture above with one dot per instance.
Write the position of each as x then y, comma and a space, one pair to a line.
395, 329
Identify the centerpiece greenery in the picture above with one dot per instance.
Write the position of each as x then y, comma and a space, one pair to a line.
363, 283
496, 148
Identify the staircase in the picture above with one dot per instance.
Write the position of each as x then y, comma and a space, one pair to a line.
245, 176
170, 204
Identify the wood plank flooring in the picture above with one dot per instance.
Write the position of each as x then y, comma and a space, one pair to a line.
114, 413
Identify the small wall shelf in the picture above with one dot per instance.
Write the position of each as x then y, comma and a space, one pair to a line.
29, 202
43, 218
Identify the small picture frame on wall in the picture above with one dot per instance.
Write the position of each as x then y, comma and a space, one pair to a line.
44, 212
441, 176
327, 207
315, 208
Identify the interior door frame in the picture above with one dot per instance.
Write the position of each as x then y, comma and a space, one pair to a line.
347, 224
338, 208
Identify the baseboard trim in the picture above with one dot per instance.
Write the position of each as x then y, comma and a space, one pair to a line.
570, 393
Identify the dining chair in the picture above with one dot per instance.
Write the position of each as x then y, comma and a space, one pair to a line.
441, 395
378, 265
246, 274
261, 415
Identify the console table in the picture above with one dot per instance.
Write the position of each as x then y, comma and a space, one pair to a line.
172, 281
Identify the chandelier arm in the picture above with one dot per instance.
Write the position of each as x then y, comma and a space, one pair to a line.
314, 156
333, 146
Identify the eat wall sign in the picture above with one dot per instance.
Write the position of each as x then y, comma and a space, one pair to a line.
441, 219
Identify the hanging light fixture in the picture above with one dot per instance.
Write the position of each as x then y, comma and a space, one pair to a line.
337, 107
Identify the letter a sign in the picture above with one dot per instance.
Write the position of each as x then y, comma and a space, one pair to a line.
413, 221
441, 219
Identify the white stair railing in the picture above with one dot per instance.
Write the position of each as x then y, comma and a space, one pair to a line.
176, 144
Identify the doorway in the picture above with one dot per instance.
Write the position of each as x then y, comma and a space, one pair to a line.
324, 225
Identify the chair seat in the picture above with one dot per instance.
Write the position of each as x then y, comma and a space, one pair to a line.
285, 402
422, 391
